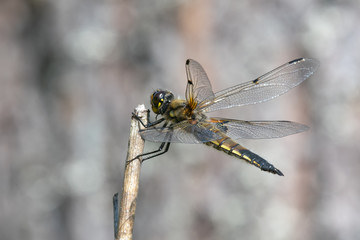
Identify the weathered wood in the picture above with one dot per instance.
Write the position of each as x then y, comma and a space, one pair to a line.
131, 178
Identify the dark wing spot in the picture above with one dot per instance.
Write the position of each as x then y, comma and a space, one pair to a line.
190, 82
256, 81
221, 126
188, 62
296, 60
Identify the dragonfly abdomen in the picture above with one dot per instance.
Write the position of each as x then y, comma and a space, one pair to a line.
232, 148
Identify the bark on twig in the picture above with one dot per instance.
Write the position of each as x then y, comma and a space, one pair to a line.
131, 178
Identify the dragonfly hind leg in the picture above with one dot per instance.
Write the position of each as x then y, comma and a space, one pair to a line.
155, 153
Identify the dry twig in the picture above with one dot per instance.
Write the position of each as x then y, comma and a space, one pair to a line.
125, 224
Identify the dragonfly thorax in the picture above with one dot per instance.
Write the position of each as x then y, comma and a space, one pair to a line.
160, 101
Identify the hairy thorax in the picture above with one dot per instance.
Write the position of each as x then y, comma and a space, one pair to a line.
179, 111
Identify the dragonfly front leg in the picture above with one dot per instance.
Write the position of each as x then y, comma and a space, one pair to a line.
161, 150
149, 124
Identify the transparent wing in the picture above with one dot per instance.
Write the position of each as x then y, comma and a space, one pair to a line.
264, 88
198, 87
182, 132
237, 129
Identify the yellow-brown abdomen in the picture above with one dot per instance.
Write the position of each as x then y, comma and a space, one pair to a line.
232, 148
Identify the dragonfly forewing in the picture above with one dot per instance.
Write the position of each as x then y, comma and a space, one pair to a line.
264, 88
198, 86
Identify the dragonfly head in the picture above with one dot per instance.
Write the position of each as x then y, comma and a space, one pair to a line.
160, 101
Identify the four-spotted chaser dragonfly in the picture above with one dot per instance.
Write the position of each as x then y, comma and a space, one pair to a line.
184, 121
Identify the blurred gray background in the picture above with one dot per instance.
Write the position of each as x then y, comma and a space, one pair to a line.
71, 73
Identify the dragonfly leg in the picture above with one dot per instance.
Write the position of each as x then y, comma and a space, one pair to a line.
155, 153
149, 124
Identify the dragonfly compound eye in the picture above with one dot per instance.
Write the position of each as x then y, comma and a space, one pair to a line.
160, 100
157, 99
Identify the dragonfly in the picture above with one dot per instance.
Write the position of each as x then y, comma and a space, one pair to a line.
184, 120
